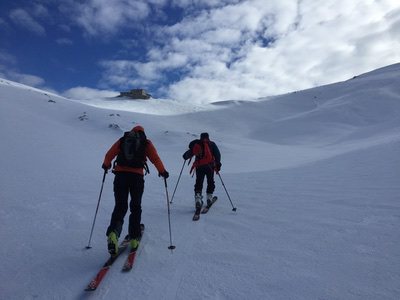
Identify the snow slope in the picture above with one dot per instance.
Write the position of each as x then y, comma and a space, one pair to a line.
314, 175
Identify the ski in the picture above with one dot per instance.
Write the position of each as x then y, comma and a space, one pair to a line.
208, 206
93, 285
132, 254
196, 215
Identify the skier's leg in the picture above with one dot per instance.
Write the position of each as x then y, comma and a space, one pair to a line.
121, 191
198, 187
136, 191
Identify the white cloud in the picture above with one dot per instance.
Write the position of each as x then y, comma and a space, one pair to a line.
314, 43
22, 18
98, 17
40, 11
8, 71
128, 73
88, 93
27, 79
6, 58
64, 41
222, 36
202, 3
255, 48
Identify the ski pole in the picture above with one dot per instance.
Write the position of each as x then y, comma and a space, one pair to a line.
179, 178
171, 247
233, 208
97, 209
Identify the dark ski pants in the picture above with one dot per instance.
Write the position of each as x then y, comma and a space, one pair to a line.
201, 173
126, 184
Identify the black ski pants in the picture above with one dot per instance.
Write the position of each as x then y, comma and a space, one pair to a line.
201, 173
126, 184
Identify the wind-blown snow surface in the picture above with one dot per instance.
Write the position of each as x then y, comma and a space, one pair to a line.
315, 177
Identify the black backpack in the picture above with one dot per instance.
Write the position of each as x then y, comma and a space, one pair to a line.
132, 150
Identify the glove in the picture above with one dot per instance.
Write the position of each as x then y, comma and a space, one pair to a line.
105, 168
187, 154
218, 166
164, 174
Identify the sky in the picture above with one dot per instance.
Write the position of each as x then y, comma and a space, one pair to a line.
191, 50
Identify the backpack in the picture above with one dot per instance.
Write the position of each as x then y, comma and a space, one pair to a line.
132, 150
205, 156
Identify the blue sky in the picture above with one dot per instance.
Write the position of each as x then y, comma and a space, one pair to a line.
192, 50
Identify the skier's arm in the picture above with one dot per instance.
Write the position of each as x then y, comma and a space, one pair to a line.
152, 154
111, 154
189, 153
216, 153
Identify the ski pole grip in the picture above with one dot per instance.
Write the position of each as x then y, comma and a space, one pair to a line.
165, 182
104, 176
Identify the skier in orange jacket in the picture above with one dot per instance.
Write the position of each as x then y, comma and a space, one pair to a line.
131, 152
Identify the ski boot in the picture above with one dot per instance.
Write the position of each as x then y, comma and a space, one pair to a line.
209, 199
198, 201
112, 242
134, 243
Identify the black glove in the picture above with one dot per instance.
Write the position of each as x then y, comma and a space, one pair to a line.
187, 154
218, 166
164, 174
105, 168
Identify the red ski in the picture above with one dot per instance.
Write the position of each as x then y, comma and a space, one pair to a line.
103, 271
